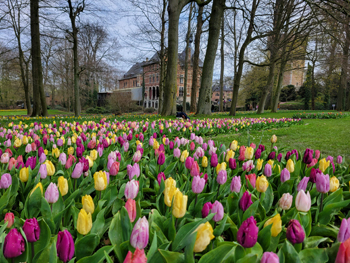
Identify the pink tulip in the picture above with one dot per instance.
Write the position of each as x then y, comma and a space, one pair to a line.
218, 209
130, 206
194, 168
51, 193
131, 189
303, 201
198, 184
140, 234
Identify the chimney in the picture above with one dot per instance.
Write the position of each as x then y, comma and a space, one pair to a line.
146, 59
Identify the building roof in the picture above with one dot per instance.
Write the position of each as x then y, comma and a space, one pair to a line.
135, 70
216, 87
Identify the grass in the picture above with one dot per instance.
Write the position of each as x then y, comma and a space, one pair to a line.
24, 112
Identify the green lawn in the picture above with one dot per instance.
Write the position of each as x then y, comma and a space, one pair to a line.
24, 112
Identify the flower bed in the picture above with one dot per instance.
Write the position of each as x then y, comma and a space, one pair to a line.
156, 192
323, 115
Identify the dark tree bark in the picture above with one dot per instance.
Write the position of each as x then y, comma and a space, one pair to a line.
205, 93
197, 41
187, 60
222, 63
39, 107
344, 72
162, 58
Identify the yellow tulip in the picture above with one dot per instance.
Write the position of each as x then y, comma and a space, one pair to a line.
163, 140
38, 185
25, 140
333, 184
84, 223
91, 162
70, 151
290, 165
273, 139
74, 139
46, 152
17, 143
56, 152
270, 162
24, 174
278, 167
169, 191
259, 164
205, 161
50, 168
249, 153
184, 156
62, 185
204, 235
220, 167
261, 184
88, 204
323, 165
230, 154
155, 144
233, 145
276, 225
93, 155
100, 180
180, 204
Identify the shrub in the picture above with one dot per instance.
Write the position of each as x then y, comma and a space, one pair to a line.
149, 110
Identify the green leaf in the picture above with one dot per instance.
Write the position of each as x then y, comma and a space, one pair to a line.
220, 228
172, 257
268, 199
219, 253
98, 256
33, 204
331, 209
170, 168
250, 211
289, 252
322, 230
85, 246
250, 258
191, 240
108, 258
115, 235
97, 226
264, 237
44, 238
49, 254
153, 247
313, 242
313, 255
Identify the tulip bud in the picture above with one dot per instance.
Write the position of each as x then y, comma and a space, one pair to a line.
247, 234
204, 162
276, 225
251, 178
206, 209
323, 165
88, 204
249, 153
322, 183
169, 191
32, 230
194, 169
229, 155
232, 163
303, 184
286, 201
65, 246
184, 156
248, 166
137, 156
5, 181
270, 257
131, 189
14, 244
130, 206
295, 232
138, 257
10, 219
177, 153
160, 176
51, 193
246, 201
219, 210
100, 181
180, 204
236, 184
290, 165
272, 156
214, 160
333, 184
303, 201
40, 186
259, 164
204, 235
133, 170
273, 139
262, 184
62, 185
24, 174
161, 158
339, 159
221, 177
188, 163
198, 184
84, 223
140, 234
62, 159
114, 168
344, 230
343, 252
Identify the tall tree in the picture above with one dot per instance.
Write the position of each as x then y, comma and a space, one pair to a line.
222, 57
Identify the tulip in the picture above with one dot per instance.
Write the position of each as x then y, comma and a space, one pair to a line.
70, 151
184, 156
84, 223
78, 170
177, 153
241, 156
62, 185
249, 153
214, 160
14, 244
133, 170
140, 234
40, 186
56, 152
204, 236
88, 204
206, 209
344, 230
65, 246
333, 184
279, 157
161, 158
93, 155
31, 229
161, 176
276, 225
130, 206
169, 191
5, 181
257, 154
290, 165
262, 184
307, 158
100, 180
323, 165
286, 201
180, 204
247, 234
131, 189
198, 184
339, 159
222, 177
114, 169
229, 155
5, 158
138, 257
43, 171
233, 145
259, 164
137, 157
51, 193
204, 162
50, 168
303, 184
322, 183
313, 174
272, 156
269, 257
295, 232
232, 163
246, 201
303, 201
274, 139
70, 161
285, 175
188, 163
12, 163
10, 219
267, 170
194, 168
251, 178
248, 166
343, 255
270, 162
62, 159
220, 166
219, 210
24, 174
236, 184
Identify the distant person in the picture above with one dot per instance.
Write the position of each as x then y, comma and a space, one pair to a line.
182, 115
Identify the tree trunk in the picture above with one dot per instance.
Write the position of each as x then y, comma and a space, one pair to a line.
184, 102
222, 63
238, 75
76, 71
162, 58
344, 72
197, 41
205, 93
276, 98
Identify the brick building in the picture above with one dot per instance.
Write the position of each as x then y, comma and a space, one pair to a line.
149, 71
294, 74
227, 93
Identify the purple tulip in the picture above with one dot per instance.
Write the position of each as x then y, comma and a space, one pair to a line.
271, 156
344, 230
140, 234
79, 151
221, 177
285, 175
257, 153
188, 163
51, 193
339, 159
177, 153
322, 183
133, 170
232, 163
313, 174
131, 189
288, 154
214, 160
206, 209
307, 159
270, 257
31, 161
198, 184
296, 154
161, 158
40, 151
160, 176
65, 246
218, 209
236, 184
171, 145
32, 230
63, 158
43, 171
295, 232
303, 184
246, 201
247, 234
5, 181
78, 170
267, 170
261, 147
14, 244
279, 157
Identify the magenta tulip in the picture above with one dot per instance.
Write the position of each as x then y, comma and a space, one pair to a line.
218, 209
65, 246
14, 244
247, 234
31, 229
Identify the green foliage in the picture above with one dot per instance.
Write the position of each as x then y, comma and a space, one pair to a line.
307, 88
288, 93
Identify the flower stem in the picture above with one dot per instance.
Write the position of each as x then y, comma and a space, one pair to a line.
217, 195
33, 254
100, 194
321, 205
195, 202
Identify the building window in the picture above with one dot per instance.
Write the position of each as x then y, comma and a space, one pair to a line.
125, 83
217, 94
153, 78
150, 79
157, 77
181, 91
181, 79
